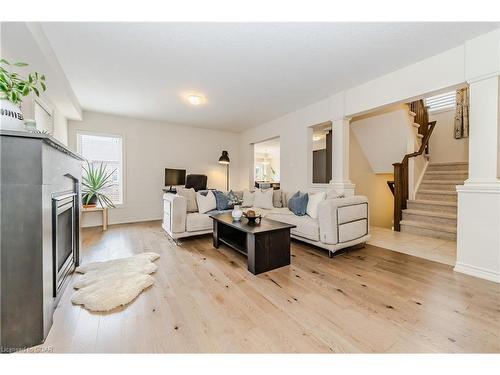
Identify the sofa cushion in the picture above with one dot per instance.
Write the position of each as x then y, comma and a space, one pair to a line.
248, 197
223, 200
307, 227
190, 196
206, 203
313, 203
196, 222
334, 194
263, 199
298, 203
277, 199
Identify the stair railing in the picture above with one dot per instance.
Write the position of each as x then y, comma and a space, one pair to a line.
421, 117
401, 177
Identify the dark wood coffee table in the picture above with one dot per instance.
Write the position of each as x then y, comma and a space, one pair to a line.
266, 245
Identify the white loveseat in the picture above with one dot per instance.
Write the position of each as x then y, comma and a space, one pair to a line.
341, 222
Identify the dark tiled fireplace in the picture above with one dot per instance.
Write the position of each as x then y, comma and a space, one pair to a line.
40, 199
64, 238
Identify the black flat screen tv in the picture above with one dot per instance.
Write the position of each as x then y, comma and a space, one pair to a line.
175, 177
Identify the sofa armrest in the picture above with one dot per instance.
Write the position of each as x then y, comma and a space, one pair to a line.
333, 213
175, 210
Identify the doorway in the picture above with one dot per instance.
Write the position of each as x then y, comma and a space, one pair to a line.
266, 156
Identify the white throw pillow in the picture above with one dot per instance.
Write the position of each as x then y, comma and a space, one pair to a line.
333, 194
263, 199
313, 203
190, 196
248, 197
206, 203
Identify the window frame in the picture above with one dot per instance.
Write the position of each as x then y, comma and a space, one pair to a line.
111, 135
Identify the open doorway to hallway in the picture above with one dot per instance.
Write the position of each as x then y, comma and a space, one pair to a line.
408, 159
267, 164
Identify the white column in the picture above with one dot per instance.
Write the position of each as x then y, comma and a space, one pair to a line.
340, 155
478, 231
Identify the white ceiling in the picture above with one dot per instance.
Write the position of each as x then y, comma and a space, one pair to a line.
250, 73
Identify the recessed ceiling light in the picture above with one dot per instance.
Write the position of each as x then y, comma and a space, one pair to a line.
195, 99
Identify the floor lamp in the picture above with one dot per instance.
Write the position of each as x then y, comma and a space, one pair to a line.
224, 159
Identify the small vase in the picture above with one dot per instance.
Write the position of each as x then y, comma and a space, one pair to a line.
236, 213
11, 117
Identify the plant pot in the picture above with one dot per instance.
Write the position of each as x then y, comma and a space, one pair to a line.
91, 202
11, 117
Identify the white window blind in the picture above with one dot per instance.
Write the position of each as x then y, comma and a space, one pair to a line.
107, 150
441, 101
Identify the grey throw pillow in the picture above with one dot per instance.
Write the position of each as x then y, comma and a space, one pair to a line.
277, 202
223, 200
298, 203
190, 196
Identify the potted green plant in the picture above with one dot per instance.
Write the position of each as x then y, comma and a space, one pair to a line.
95, 181
13, 87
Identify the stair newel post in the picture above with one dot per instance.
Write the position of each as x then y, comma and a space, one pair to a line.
398, 195
406, 179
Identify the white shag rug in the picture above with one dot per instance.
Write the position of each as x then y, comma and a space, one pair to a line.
107, 285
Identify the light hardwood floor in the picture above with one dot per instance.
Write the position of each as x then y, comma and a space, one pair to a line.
204, 300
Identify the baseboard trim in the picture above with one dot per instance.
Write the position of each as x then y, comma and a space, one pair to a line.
477, 272
123, 222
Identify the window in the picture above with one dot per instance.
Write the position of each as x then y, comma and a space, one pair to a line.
108, 150
441, 102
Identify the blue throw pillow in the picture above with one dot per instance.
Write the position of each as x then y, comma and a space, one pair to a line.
298, 203
223, 201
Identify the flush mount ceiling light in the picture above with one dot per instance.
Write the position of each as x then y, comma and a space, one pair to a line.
194, 99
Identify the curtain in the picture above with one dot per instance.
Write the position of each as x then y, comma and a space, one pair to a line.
462, 113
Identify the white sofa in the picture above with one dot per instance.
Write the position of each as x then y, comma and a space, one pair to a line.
341, 222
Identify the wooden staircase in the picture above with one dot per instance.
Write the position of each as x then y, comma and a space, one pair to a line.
434, 211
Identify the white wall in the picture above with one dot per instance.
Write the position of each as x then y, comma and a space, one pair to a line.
149, 148
443, 145
414, 81
21, 41
392, 131
476, 62
373, 186
294, 141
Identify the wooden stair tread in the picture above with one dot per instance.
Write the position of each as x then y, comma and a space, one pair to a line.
443, 182
441, 192
444, 215
451, 163
448, 172
431, 226
436, 203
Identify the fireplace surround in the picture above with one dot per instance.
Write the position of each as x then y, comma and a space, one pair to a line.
39, 226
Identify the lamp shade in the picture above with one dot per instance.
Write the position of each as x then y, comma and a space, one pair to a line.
224, 159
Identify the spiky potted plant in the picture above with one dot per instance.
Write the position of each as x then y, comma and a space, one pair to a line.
95, 181
13, 88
